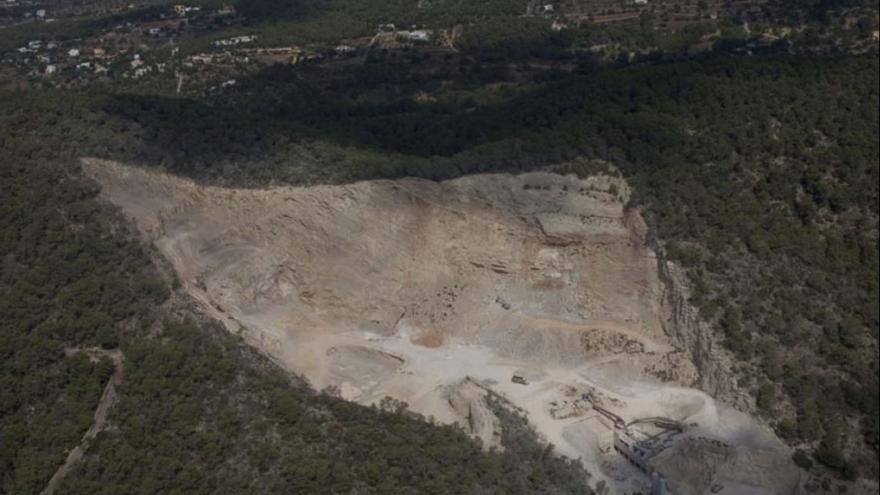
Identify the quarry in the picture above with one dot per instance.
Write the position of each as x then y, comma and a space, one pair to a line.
539, 289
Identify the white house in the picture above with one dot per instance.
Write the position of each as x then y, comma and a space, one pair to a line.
237, 40
419, 35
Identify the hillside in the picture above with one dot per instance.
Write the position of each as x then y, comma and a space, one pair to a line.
745, 135
197, 409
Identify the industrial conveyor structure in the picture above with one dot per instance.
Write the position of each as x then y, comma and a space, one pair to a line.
637, 446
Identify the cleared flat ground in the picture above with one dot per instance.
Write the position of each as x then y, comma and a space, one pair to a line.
433, 293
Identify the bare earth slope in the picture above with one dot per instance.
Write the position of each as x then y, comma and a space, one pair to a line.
434, 293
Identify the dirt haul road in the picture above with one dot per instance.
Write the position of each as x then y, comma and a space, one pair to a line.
108, 399
433, 293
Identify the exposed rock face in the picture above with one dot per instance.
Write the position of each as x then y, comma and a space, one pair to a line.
468, 400
433, 292
538, 267
689, 331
